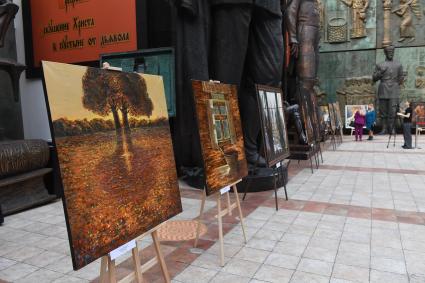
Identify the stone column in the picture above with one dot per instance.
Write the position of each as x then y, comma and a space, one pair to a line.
387, 23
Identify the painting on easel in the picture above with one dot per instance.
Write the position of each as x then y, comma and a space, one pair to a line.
273, 122
220, 133
113, 141
418, 117
338, 116
332, 117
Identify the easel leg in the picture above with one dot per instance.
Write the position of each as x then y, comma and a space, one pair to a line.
137, 266
311, 163
229, 205
284, 180
275, 189
112, 271
220, 229
201, 214
160, 258
104, 270
321, 154
316, 157
416, 137
246, 189
238, 203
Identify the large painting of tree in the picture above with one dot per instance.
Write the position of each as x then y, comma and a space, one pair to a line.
111, 131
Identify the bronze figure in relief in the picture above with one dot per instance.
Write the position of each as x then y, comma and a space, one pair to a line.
405, 11
358, 17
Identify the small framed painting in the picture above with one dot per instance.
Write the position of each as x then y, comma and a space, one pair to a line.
273, 124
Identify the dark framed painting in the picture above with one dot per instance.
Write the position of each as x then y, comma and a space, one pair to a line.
220, 133
158, 61
305, 104
338, 117
332, 117
316, 119
111, 132
324, 109
418, 117
323, 112
273, 124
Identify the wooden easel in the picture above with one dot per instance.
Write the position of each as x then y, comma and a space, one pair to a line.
220, 214
108, 266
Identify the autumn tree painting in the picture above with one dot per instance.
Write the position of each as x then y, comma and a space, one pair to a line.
106, 92
110, 194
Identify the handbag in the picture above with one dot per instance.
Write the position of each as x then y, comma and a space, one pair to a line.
352, 125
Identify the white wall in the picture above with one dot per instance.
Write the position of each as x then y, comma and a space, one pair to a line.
36, 124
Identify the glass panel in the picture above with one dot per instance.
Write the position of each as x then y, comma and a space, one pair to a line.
218, 130
226, 130
223, 110
279, 100
263, 101
271, 99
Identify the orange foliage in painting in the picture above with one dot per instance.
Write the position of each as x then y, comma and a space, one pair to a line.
117, 186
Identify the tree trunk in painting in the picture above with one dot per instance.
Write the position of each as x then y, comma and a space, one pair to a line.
124, 112
116, 119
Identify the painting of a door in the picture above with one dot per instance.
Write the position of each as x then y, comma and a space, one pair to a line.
220, 133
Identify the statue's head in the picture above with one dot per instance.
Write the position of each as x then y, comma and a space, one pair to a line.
389, 52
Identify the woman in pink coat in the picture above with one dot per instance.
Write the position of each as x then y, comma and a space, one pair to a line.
359, 122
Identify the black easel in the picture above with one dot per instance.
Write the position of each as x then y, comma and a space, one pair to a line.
278, 176
393, 131
1, 216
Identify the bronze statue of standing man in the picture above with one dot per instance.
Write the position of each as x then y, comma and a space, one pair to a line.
303, 20
247, 48
390, 74
303, 25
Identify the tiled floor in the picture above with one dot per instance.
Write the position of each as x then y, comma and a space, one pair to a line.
34, 246
360, 218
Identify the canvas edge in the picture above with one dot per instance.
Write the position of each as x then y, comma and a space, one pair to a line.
57, 166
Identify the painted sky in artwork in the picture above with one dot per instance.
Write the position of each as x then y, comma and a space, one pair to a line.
69, 104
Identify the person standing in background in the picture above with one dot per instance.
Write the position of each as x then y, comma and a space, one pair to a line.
370, 120
359, 122
407, 126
